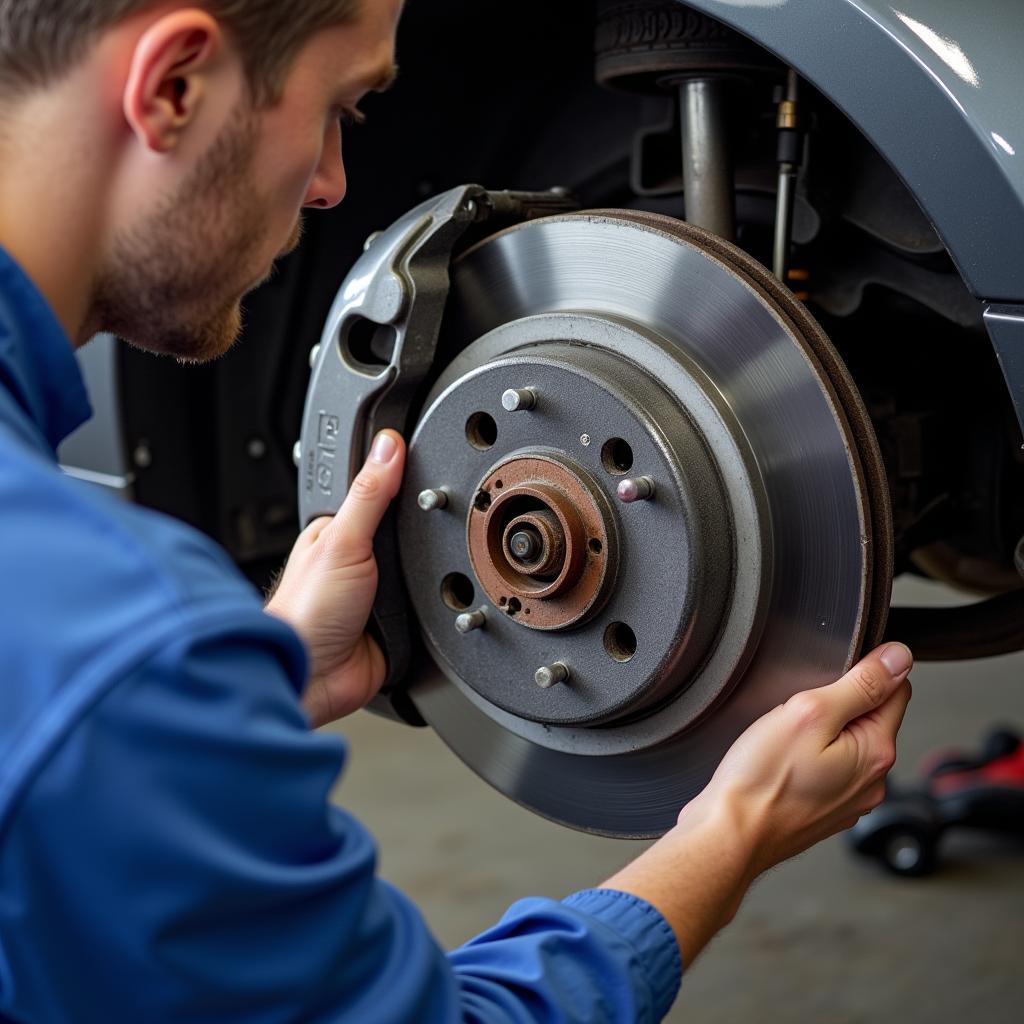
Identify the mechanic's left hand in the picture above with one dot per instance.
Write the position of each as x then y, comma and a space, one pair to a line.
328, 587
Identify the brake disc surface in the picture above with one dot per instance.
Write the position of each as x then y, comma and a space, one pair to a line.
641, 350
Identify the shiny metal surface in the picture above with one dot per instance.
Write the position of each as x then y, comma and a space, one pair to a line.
935, 86
737, 353
708, 178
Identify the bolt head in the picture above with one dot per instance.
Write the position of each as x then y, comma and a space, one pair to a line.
526, 545
314, 355
585, 440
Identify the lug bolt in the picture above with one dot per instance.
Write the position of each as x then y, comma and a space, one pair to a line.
519, 399
550, 675
429, 500
468, 621
640, 488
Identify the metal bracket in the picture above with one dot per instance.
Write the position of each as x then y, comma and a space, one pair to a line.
376, 353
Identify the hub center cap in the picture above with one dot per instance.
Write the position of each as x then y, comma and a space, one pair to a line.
539, 541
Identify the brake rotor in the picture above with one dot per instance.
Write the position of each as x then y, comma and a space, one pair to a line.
598, 656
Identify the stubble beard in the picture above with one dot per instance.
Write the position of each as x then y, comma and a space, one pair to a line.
175, 280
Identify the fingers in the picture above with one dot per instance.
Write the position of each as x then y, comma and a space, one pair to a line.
870, 684
311, 534
889, 717
371, 492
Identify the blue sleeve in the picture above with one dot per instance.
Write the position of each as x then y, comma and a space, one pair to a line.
175, 858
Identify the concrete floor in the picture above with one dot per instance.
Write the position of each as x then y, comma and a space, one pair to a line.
825, 939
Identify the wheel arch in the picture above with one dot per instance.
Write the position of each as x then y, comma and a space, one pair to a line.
932, 86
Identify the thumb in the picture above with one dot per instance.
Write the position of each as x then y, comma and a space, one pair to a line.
370, 494
868, 685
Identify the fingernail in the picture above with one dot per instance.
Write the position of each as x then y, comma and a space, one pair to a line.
897, 659
384, 449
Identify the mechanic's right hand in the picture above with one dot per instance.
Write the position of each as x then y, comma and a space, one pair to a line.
327, 589
815, 764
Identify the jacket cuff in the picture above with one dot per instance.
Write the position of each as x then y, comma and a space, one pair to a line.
636, 921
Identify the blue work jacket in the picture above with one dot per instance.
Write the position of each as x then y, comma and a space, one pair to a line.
167, 848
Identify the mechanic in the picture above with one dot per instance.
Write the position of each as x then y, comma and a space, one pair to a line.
167, 848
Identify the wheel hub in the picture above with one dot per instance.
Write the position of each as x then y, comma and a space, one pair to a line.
538, 541
629, 597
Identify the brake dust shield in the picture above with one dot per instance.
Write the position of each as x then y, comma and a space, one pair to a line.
609, 652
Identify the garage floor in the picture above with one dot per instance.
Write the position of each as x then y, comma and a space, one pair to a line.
825, 939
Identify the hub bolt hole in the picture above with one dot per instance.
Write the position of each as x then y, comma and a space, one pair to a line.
481, 431
620, 641
514, 606
482, 501
457, 591
595, 546
617, 456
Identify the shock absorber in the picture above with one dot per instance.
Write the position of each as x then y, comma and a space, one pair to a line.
660, 47
709, 192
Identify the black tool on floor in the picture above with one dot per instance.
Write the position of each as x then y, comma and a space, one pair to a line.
959, 789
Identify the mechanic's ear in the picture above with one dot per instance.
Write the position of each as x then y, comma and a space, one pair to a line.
169, 76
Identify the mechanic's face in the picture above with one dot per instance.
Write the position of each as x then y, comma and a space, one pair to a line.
176, 279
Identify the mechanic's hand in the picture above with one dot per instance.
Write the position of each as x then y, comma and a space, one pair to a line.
806, 770
815, 764
327, 589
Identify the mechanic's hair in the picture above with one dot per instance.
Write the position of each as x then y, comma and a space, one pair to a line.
41, 40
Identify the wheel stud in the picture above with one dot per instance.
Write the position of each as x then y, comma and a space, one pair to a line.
519, 400
468, 621
632, 489
430, 500
550, 675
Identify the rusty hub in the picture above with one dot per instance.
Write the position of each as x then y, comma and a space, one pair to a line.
539, 542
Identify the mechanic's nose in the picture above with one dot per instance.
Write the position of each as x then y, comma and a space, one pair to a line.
330, 182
